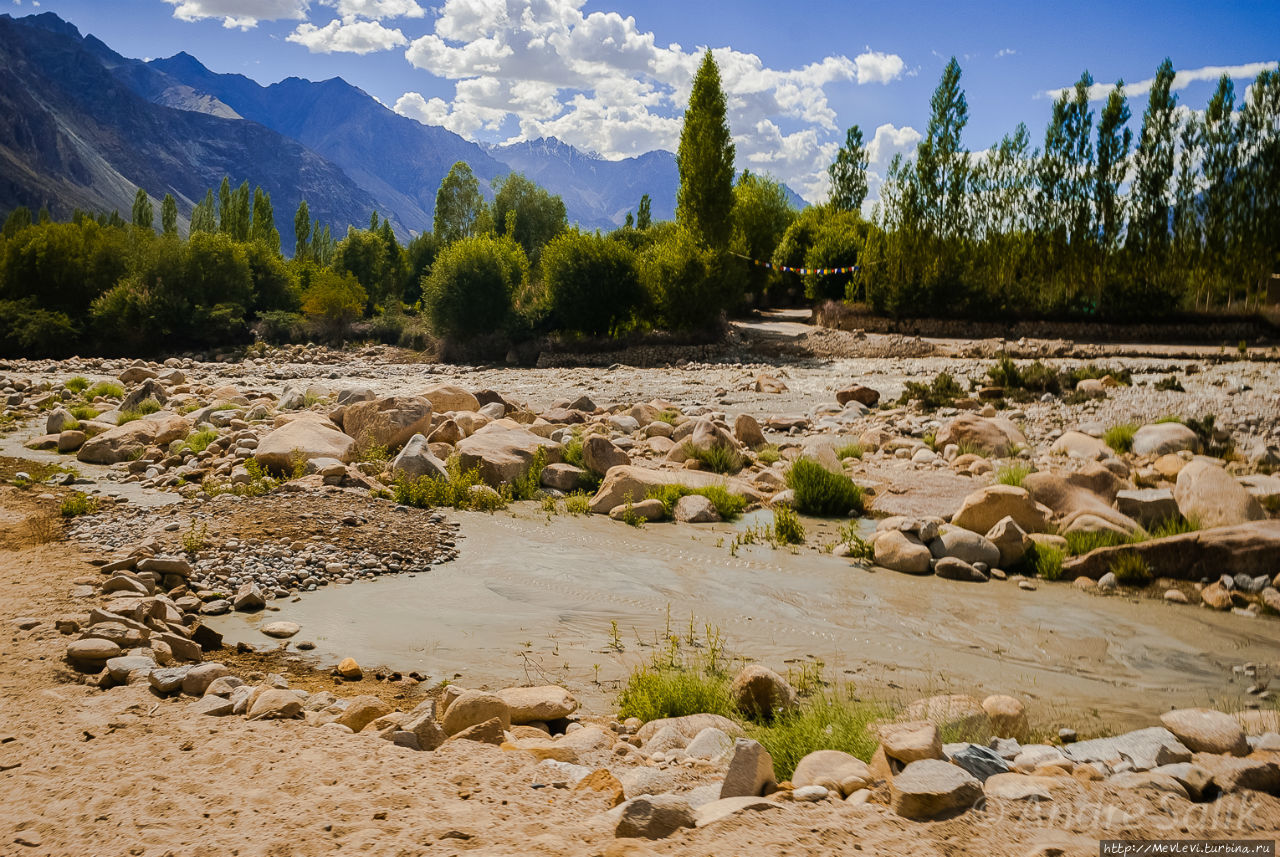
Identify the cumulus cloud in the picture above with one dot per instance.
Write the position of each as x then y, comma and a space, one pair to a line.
544, 68
1181, 80
376, 10
244, 14
1005, 52
889, 141
347, 36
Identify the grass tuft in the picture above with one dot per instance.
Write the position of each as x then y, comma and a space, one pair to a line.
717, 459
826, 721
78, 503
823, 493
1131, 569
787, 528
850, 450
1013, 474
1120, 437
78, 384
728, 505
105, 389
1044, 561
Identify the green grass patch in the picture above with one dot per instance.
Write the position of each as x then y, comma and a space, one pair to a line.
668, 416
1169, 418
199, 441
787, 528
718, 458
83, 412
728, 505
105, 389
653, 692
578, 503
78, 384
1130, 569
768, 454
823, 493
1012, 474
1033, 378
572, 451
1120, 437
461, 490
1081, 543
850, 450
529, 485
1044, 561
825, 721
78, 503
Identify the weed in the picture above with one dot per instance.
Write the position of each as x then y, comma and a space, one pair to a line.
196, 539
859, 548
528, 485
105, 389
820, 492
768, 454
84, 412
629, 516
668, 416
828, 721
373, 453
1169, 418
1075, 376
1044, 561
1012, 474
1170, 385
1085, 542
577, 503
309, 399
931, 440
144, 408
1176, 526
199, 441
719, 458
1120, 437
850, 450
1036, 377
787, 528
78, 503
572, 451
78, 384
728, 505
455, 491
549, 505
653, 692
1131, 569
941, 392
1207, 432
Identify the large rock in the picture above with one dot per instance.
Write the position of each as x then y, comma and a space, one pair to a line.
1164, 439
837, 771
759, 691
530, 704
931, 788
750, 771
653, 816
1087, 493
416, 461
858, 393
93, 651
690, 725
363, 710
954, 711
1204, 730
1010, 540
503, 451
965, 545
1209, 495
1144, 749
1232, 775
1150, 507
474, 707
600, 454
1074, 444
1243, 549
276, 704
911, 741
446, 397
305, 437
695, 509
636, 483
903, 552
747, 430
995, 436
388, 422
984, 508
127, 442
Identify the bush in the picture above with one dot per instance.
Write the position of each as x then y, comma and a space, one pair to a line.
105, 389
199, 441
1082, 543
592, 283
461, 490
787, 529
78, 384
823, 722
472, 286
280, 326
1044, 561
333, 301
717, 459
689, 284
1120, 438
1093, 371
850, 450
654, 692
940, 393
27, 329
1170, 384
820, 492
728, 505
1131, 569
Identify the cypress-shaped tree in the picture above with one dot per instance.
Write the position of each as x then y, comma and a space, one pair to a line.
704, 202
144, 216
849, 173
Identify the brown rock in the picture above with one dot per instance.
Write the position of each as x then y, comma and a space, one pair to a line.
1204, 730
995, 436
447, 397
361, 711
473, 707
488, 732
911, 742
305, 437
930, 788
1008, 716
388, 422
759, 691
860, 394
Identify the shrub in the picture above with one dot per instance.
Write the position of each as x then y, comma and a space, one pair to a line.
461, 490
333, 301
592, 283
105, 389
1075, 376
1170, 384
787, 529
728, 505
78, 503
718, 458
280, 326
78, 384
1120, 438
859, 548
84, 412
1035, 377
820, 492
940, 393
768, 454
1012, 474
1131, 569
26, 328
823, 722
689, 284
472, 286
653, 692
527, 486
578, 503
1044, 561
199, 441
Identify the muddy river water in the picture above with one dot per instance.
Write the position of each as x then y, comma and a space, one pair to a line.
528, 596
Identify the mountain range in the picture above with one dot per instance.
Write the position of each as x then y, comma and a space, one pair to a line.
82, 126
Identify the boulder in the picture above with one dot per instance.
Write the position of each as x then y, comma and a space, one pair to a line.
1233, 775
303, 438
149, 389
600, 454
537, 704
1010, 540
644, 510
249, 597
1164, 439
965, 545
199, 677
361, 711
93, 651
931, 788
1008, 716
950, 568
953, 711
281, 630
1150, 507
769, 384
858, 393
1072, 496
982, 762
1203, 730
747, 430
71, 440
984, 508
638, 482
448, 432
903, 552
995, 436
58, 420
416, 461
563, 477
503, 452
695, 509
276, 704
1144, 749
490, 731
653, 816
387, 422
837, 771
474, 707
910, 741
1243, 549
710, 744
1020, 787
760, 692
1074, 444
425, 727
127, 442
716, 810
1209, 495
750, 771
447, 397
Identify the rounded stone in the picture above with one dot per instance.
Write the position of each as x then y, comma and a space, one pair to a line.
281, 629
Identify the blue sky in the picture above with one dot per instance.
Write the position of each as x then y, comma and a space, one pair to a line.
612, 75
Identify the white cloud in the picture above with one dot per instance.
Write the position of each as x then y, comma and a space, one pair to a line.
347, 36
1181, 80
376, 10
1005, 52
244, 14
889, 141
599, 82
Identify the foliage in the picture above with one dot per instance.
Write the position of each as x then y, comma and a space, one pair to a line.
718, 458
1130, 569
848, 173
199, 441
941, 392
1012, 474
1079, 543
728, 505
592, 283
527, 213
76, 504
472, 286
827, 721
1035, 377
689, 285
704, 200
761, 216
654, 692
1120, 437
527, 485
820, 492
858, 547
768, 454
787, 529
459, 205
578, 503
105, 389
460, 490
1170, 384
1044, 561
850, 450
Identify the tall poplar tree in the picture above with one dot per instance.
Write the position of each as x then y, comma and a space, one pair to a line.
849, 173
644, 214
704, 202
1114, 140
263, 227
942, 166
169, 215
1153, 168
458, 205
144, 216
302, 232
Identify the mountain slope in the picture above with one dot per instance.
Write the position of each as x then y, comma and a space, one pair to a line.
72, 134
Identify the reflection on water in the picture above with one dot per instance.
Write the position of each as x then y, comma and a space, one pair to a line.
534, 599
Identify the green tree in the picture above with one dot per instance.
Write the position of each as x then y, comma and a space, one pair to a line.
1215, 207
761, 215
333, 300
704, 201
849, 173
204, 217
1114, 141
169, 215
536, 216
686, 281
18, 219
1153, 170
263, 226
472, 287
302, 232
144, 216
1257, 238
458, 205
941, 169
592, 283
644, 214
224, 205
